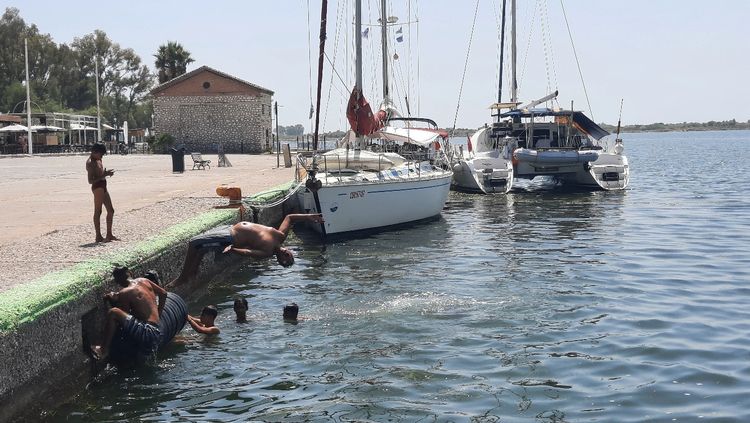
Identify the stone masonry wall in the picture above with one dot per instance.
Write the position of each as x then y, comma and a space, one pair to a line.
240, 123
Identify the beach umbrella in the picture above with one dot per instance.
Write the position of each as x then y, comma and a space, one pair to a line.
14, 128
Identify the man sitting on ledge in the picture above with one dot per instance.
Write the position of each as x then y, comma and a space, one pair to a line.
136, 311
246, 239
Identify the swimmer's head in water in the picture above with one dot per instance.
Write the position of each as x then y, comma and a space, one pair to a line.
285, 257
290, 312
208, 314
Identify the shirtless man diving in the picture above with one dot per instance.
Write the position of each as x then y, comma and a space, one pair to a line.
136, 311
246, 239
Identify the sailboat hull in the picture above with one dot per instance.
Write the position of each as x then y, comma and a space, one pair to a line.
371, 205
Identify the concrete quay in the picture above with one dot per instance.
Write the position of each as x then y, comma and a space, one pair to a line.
52, 274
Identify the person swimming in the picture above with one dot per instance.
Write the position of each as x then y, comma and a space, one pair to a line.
291, 311
205, 324
240, 309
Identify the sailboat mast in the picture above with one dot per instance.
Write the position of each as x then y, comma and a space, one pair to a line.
513, 83
358, 45
384, 40
502, 54
323, 19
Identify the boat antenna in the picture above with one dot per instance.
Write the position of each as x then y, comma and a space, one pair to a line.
323, 19
619, 120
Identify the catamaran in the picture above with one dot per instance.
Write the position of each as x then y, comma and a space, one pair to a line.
389, 169
529, 141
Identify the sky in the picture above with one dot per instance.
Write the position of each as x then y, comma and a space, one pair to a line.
668, 61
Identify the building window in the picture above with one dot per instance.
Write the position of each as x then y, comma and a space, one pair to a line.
262, 109
206, 85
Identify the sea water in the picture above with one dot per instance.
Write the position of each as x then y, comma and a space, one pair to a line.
538, 306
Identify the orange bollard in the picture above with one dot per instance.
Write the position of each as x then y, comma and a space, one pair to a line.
233, 193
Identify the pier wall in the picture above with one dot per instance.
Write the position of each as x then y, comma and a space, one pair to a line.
47, 325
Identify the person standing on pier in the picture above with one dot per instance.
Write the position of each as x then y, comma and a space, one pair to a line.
246, 239
97, 176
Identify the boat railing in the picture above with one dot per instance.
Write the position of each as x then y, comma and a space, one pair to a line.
307, 163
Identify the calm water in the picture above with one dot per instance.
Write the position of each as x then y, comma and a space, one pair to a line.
536, 306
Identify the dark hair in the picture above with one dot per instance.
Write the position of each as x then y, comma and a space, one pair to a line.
210, 310
99, 148
153, 276
290, 311
120, 272
240, 302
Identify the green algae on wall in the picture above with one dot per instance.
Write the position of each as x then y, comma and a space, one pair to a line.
26, 302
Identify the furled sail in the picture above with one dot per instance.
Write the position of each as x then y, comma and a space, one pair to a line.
360, 116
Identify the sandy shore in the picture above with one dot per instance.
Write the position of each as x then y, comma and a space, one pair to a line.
46, 221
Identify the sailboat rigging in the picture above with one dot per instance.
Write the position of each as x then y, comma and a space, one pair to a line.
388, 169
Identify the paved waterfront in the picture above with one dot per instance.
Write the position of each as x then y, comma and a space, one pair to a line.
48, 205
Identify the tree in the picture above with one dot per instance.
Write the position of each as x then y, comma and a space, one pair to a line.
171, 61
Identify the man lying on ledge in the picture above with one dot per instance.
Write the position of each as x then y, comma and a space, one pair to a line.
134, 308
244, 238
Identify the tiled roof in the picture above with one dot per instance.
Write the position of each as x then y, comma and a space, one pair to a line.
190, 74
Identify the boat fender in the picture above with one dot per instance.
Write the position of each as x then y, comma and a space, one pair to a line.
457, 167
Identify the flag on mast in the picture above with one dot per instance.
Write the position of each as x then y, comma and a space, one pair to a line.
366, 33
400, 34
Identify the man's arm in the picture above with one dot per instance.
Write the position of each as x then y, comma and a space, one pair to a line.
198, 327
291, 219
161, 293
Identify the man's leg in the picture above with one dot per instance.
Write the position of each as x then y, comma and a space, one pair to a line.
115, 316
190, 268
98, 201
110, 216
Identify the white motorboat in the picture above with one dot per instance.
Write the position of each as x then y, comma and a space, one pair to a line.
387, 171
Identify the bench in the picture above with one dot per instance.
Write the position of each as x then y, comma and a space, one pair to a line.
199, 163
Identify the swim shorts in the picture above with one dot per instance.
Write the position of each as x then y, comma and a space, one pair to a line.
215, 239
99, 184
145, 335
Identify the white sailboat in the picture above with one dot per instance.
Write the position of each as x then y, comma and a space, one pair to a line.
389, 169
528, 141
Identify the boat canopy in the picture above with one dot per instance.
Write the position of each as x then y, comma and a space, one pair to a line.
582, 121
419, 136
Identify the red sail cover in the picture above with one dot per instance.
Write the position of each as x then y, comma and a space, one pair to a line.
360, 116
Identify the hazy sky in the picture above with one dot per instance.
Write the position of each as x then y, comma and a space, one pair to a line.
670, 60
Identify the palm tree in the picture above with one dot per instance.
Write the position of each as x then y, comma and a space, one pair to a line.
171, 61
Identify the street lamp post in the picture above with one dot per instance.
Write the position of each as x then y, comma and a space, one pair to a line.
278, 141
28, 98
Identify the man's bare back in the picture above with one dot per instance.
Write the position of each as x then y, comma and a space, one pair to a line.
253, 236
139, 300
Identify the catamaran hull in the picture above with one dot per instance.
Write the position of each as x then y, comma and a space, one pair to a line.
609, 172
483, 175
363, 206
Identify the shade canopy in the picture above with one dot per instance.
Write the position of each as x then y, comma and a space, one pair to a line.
419, 136
46, 128
81, 127
14, 128
583, 122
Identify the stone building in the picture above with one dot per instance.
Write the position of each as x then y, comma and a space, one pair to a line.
206, 108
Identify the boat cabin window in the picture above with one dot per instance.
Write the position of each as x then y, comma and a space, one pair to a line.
542, 138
